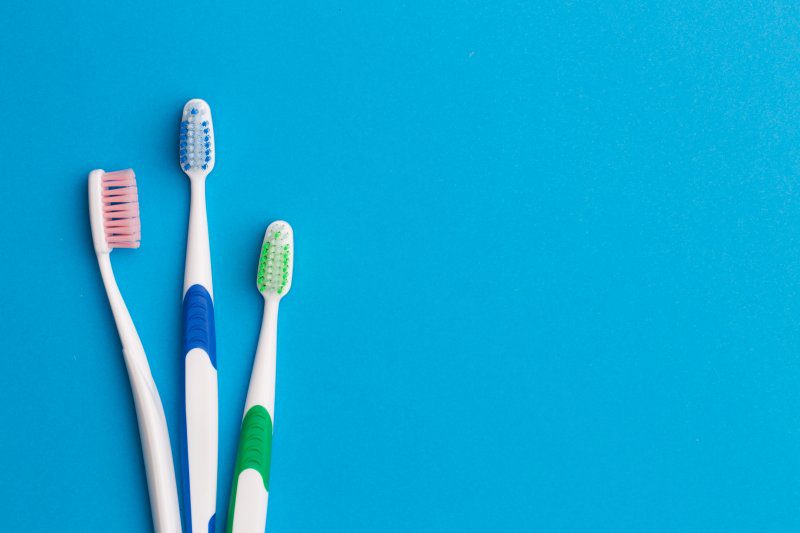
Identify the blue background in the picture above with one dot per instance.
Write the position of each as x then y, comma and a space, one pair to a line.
547, 263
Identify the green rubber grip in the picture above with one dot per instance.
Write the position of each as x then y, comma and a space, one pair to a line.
255, 451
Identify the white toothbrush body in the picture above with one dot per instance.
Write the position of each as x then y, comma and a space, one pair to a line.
252, 495
247, 512
199, 461
112, 227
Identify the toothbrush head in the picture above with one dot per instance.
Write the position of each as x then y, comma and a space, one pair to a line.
276, 261
114, 210
196, 141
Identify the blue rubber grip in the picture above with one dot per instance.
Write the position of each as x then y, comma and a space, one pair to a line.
198, 322
198, 332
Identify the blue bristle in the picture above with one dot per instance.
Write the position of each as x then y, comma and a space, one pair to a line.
195, 136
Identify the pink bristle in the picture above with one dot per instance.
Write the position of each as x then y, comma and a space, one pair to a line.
121, 209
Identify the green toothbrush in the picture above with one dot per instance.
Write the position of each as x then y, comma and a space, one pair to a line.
247, 511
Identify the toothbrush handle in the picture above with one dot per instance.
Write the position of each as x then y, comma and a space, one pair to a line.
199, 450
199, 455
156, 449
153, 432
247, 512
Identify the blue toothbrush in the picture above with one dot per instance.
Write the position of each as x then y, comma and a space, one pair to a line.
199, 459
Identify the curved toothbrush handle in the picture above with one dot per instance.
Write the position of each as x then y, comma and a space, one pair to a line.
199, 451
247, 511
155, 444
150, 417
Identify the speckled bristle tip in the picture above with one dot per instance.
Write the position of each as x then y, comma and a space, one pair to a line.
275, 261
196, 141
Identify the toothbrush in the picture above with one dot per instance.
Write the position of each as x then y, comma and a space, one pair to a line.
199, 451
247, 511
114, 214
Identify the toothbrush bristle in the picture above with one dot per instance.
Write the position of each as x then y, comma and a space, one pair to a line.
276, 259
120, 209
196, 141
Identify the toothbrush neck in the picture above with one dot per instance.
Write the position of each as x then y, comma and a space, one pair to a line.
267, 340
122, 318
262, 380
198, 253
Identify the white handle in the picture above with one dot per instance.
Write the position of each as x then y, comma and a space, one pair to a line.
201, 440
201, 389
247, 512
155, 446
153, 431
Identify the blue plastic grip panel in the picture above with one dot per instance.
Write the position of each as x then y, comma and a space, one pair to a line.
198, 332
198, 322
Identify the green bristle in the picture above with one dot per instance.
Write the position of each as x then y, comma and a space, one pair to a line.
262, 267
274, 262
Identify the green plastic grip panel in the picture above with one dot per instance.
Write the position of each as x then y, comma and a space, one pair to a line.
255, 450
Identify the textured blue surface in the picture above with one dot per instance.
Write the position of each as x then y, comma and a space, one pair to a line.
198, 332
547, 269
198, 322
